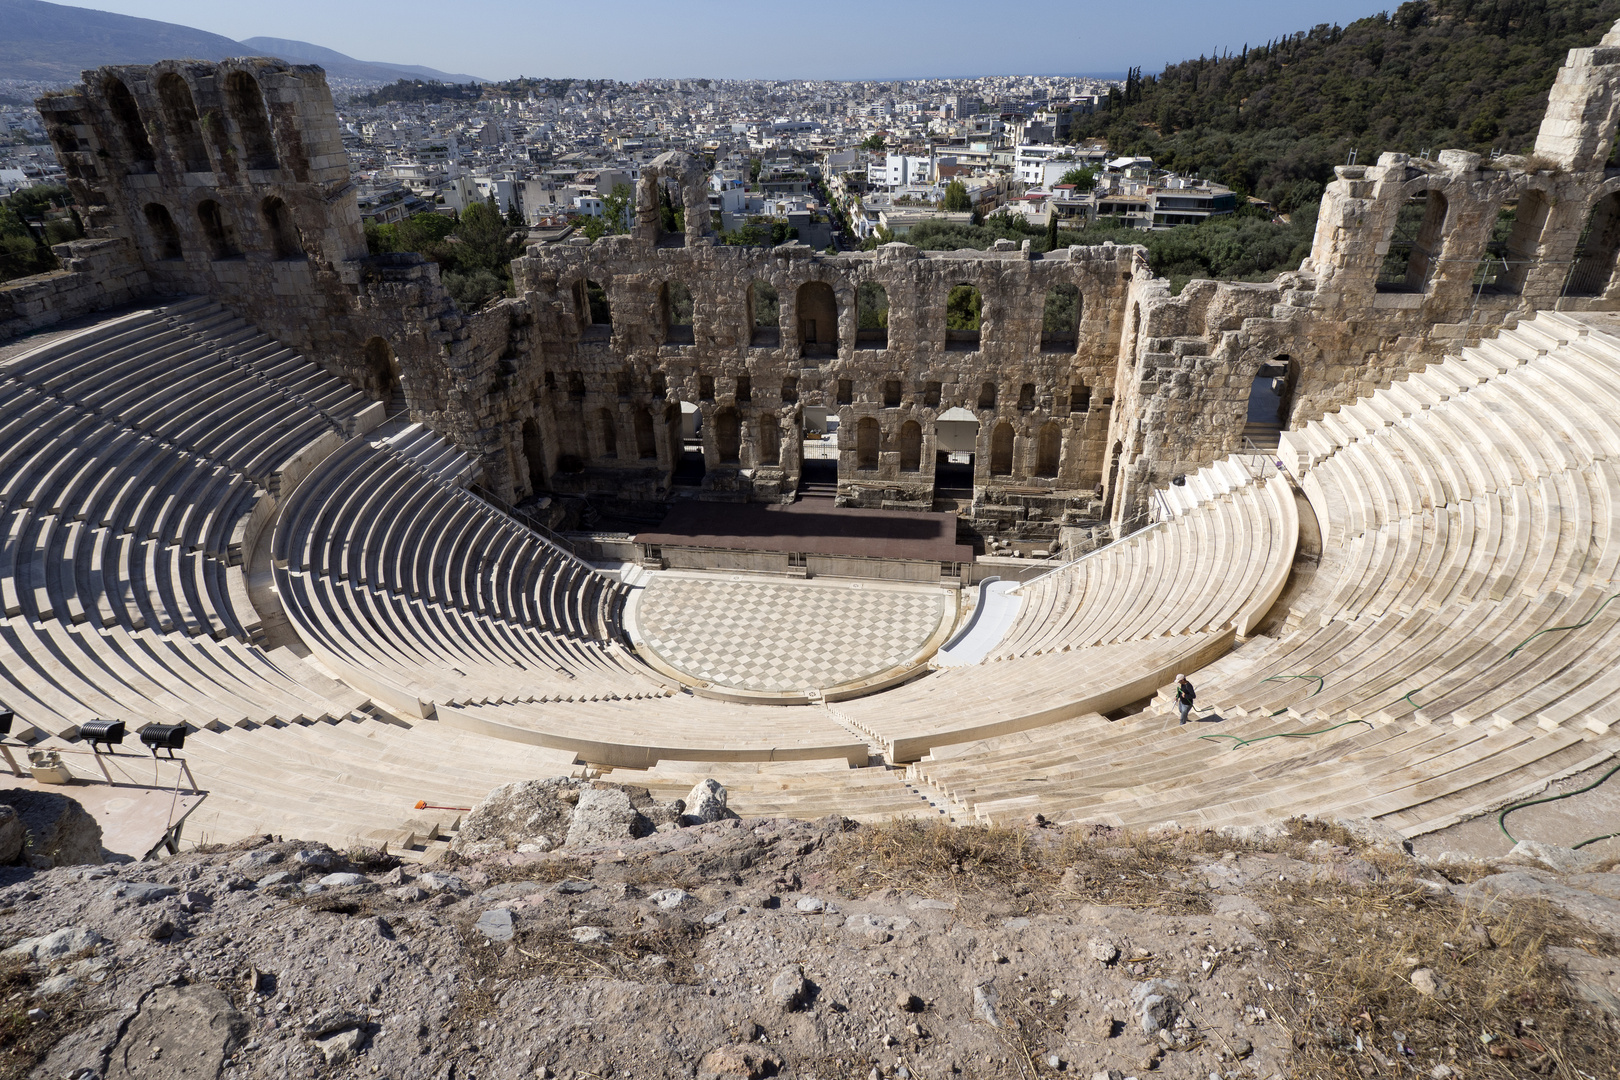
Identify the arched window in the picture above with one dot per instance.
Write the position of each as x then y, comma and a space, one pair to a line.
165, 236
646, 442
1001, 450
987, 395
534, 452
285, 243
609, 432
764, 316
770, 440
124, 110
1060, 319
962, 316
871, 316
866, 443
185, 130
727, 436
677, 314
252, 121
1507, 263
910, 446
818, 319
1026, 396
1049, 450
220, 236
381, 375
1595, 253
592, 311
1414, 245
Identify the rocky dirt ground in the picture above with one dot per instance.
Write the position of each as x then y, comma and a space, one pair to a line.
586, 932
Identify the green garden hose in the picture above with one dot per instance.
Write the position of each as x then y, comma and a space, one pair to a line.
1501, 819
1237, 742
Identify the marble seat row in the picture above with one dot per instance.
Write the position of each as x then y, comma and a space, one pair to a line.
1152, 771
190, 376
417, 590
1218, 562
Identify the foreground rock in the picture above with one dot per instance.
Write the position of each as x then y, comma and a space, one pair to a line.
56, 830
732, 948
533, 816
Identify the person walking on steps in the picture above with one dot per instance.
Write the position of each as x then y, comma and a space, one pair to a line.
1184, 696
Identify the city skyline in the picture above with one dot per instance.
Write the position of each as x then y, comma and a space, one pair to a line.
502, 39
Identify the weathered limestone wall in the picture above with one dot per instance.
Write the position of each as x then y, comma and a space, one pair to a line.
640, 368
95, 275
230, 180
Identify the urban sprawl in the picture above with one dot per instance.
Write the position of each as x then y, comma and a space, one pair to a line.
829, 164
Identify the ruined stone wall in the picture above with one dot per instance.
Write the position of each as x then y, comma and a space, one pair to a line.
579, 377
95, 275
230, 180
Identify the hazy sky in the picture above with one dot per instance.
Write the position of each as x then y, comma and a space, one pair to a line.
832, 39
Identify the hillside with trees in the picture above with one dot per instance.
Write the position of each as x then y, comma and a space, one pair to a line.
1273, 118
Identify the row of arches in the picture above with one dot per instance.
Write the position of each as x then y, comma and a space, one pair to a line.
218, 233
1417, 240
187, 142
1074, 398
817, 316
640, 443
1048, 447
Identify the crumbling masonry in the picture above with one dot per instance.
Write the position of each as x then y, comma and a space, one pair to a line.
229, 180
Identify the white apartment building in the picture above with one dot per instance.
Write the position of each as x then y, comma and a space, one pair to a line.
899, 170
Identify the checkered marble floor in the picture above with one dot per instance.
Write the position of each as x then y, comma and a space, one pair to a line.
778, 636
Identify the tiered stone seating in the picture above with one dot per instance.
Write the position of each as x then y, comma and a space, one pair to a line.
1224, 563
421, 593
797, 789
1123, 619
139, 452
1456, 648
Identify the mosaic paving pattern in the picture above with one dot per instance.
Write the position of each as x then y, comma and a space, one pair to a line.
769, 636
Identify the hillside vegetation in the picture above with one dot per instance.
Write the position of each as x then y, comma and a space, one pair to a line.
1274, 118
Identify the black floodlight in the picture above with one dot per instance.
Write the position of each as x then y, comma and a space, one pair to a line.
170, 737
6, 717
102, 732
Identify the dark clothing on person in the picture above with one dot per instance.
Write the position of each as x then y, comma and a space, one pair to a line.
1184, 698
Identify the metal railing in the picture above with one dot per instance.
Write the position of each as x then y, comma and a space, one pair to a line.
528, 520
1061, 567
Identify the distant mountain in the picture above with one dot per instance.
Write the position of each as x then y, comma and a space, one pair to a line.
53, 43
340, 66
41, 42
